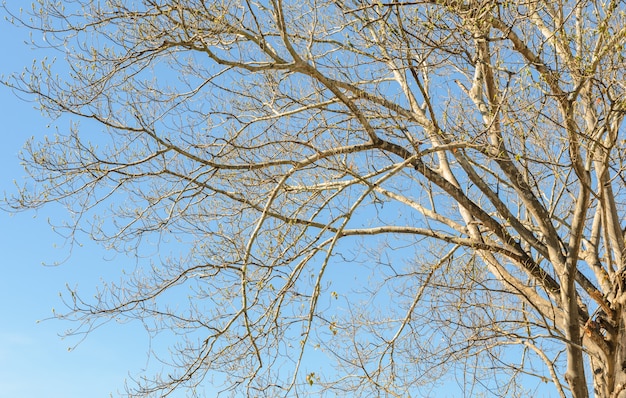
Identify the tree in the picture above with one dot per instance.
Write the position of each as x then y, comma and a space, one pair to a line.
402, 190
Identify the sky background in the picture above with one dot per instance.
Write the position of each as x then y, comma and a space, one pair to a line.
34, 360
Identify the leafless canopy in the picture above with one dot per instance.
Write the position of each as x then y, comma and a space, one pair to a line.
360, 198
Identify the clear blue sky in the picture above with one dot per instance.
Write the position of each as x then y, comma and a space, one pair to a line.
34, 360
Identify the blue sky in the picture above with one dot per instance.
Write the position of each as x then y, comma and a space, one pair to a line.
34, 360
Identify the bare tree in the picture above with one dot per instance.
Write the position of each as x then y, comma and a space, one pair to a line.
396, 190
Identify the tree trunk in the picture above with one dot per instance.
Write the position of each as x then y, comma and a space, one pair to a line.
619, 353
608, 355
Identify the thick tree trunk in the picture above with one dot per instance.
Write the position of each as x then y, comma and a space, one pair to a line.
608, 356
575, 374
619, 353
